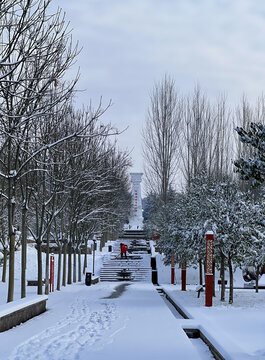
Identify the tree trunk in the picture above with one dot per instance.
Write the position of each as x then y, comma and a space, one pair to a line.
11, 276
69, 277
257, 279
4, 265
183, 274
39, 254
222, 276
11, 235
23, 249
200, 272
64, 263
59, 268
102, 242
231, 281
172, 267
79, 266
74, 272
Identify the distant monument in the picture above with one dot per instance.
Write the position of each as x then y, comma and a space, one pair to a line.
136, 216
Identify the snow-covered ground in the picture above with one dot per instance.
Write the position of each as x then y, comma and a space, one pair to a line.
91, 322
237, 330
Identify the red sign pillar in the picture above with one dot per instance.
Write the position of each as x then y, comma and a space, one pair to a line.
183, 275
209, 269
172, 268
52, 273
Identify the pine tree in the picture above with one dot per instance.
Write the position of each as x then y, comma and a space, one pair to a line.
253, 168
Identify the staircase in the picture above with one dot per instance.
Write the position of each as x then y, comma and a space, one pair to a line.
137, 266
133, 234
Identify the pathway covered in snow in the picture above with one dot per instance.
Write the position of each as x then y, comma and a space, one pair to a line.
118, 320
87, 322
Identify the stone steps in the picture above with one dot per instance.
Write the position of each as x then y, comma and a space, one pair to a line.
137, 267
133, 234
137, 274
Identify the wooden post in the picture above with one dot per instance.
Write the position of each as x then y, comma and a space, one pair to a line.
209, 269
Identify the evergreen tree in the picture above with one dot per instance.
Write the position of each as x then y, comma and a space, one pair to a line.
252, 168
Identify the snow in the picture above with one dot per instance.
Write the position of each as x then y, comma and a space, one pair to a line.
89, 322
204, 353
136, 325
238, 329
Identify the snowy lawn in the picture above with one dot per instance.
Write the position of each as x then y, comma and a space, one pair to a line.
31, 272
238, 328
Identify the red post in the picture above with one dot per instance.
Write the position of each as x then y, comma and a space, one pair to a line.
183, 275
52, 273
209, 269
172, 268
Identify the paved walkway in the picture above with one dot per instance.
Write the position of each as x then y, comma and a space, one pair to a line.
150, 331
88, 322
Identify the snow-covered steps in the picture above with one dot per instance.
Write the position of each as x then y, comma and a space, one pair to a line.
135, 246
133, 234
135, 274
137, 266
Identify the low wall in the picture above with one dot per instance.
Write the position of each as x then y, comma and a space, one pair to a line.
94, 280
17, 312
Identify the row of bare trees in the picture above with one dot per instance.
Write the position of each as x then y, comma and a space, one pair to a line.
60, 174
185, 136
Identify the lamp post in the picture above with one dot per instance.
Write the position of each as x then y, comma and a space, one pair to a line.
94, 249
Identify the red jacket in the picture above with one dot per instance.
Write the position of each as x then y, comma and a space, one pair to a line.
123, 249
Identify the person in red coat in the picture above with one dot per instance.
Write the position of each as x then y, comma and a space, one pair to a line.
124, 251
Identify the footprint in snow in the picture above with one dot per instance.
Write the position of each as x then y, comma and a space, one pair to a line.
58, 343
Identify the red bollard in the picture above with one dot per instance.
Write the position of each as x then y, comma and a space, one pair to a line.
52, 273
209, 269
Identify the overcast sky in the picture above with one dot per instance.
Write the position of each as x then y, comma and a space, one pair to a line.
130, 44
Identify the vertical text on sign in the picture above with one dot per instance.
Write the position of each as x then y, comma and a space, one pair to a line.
135, 201
209, 256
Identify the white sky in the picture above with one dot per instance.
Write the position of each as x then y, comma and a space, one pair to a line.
128, 45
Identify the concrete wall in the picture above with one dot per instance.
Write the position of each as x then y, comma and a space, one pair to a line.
20, 313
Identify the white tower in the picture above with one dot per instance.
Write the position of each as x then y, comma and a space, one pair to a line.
136, 217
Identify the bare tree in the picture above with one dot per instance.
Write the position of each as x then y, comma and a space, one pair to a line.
161, 137
206, 138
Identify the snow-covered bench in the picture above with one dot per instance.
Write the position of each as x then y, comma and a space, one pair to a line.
19, 311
